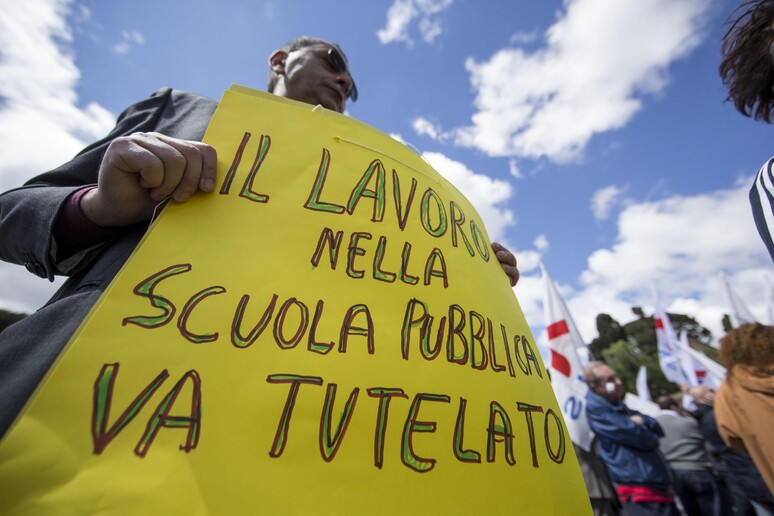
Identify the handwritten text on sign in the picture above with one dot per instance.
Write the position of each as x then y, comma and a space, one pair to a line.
333, 314
467, 337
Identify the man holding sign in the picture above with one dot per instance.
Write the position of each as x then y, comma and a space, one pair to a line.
86, 217
327, 331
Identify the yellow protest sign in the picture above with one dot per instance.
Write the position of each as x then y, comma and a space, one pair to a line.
328, 332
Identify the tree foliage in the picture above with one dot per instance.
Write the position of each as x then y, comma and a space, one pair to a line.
727, 324
625, 348
609, 331
626, 358
7, 318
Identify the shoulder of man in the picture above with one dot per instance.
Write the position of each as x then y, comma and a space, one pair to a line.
162, 96
183, 95
184, 114
597, 403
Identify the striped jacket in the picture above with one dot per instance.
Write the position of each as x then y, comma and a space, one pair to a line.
762, 202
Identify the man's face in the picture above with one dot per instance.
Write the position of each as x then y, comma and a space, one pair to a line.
316, 74
608, 385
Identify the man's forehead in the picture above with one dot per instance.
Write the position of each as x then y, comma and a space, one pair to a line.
604, 371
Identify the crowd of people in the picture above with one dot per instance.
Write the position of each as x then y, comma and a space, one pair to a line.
705, 453
713, 453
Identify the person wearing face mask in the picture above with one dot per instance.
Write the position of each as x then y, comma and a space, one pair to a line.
628, 444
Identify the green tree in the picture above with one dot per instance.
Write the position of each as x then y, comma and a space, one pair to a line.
625, 348
689, 325
7, 318
643, 331
727, 324
626, 358
609, 331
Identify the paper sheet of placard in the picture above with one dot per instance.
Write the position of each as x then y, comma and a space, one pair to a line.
329, 332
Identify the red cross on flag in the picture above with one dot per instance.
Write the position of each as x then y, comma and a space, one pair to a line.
699, 368
566, 371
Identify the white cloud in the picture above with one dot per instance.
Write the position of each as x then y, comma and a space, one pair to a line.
514, 170
399, 15
680, 244
81, 14
521, 38
27, 292
541, 243
528, 259
402, 12
37, 85
430, 29
424, 127
600, 59
685, 237
489, 196
129, 39
604, 200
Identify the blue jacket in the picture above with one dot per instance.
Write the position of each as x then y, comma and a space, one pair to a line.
629, 450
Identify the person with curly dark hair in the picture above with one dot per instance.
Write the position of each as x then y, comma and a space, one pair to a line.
744, 403
747, 70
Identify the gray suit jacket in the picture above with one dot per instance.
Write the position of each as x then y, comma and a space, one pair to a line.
27, 216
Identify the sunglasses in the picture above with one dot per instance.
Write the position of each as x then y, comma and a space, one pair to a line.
340, 66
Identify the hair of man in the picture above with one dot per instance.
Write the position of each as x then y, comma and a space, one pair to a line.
297, 44
590, 372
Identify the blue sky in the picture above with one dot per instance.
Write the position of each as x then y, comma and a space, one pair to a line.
591, 134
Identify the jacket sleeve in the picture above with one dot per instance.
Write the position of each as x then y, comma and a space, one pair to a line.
762, 204
652, 425
726, 419
28, 214
618, 428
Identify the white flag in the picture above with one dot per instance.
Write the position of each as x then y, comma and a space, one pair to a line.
693, 376
642, 384
639, 404
740, 314
565, 365
668, 357
698, 367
